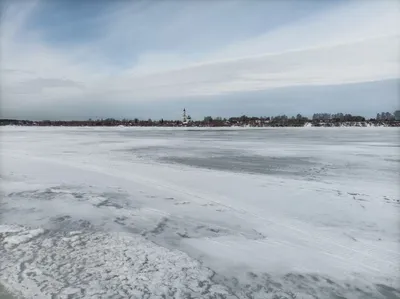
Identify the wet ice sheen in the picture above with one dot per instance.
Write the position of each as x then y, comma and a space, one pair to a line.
144, 213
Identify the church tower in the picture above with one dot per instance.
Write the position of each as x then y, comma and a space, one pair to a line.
184, 118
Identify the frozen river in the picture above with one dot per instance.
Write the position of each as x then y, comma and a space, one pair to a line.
175, 213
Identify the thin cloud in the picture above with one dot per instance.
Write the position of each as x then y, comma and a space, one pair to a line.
353, 42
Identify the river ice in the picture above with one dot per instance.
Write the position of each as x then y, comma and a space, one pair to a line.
183, 213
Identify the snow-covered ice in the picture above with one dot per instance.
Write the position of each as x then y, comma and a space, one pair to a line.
183, 213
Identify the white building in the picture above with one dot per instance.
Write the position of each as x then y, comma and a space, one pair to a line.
185, 118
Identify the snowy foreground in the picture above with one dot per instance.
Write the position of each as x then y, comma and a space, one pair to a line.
148, 213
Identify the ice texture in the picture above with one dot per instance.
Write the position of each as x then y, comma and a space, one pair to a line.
209, 213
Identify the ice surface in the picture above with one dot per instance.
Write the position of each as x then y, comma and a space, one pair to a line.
26, 236
98, 264
148, 213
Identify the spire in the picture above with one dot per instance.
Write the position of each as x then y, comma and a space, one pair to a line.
184, 115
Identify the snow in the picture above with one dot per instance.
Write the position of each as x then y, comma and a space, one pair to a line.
103, 212
113, 262
366, 124
26, 236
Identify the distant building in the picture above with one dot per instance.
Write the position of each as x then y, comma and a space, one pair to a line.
185, 117
322, 116
397, 115
387, 116
338, 116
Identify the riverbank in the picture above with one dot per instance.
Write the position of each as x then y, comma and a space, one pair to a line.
252, 122
267, 125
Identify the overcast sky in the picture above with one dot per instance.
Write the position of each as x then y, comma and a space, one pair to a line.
80, 59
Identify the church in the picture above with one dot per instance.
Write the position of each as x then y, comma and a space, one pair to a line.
185, 117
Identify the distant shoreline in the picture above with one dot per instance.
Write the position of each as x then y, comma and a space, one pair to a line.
306, 125
208, 122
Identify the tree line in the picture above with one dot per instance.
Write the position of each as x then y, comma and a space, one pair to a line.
243, 120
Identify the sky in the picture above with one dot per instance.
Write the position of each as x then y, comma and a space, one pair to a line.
69, 59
